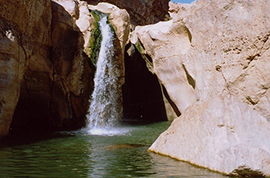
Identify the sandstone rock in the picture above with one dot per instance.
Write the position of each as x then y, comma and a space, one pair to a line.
23, 32
10, 81
222, 134
119, 19
142, 12
42, 44
167, 64
216, 48
239, 53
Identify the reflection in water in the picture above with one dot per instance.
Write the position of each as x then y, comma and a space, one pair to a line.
77, 154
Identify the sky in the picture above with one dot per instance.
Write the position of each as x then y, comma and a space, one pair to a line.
183, 1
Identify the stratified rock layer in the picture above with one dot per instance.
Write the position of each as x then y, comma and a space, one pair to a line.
213, 59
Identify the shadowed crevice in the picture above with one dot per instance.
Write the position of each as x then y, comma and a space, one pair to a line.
142, 94
190, 79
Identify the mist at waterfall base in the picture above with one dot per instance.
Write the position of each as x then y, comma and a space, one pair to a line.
105, 109
78, 154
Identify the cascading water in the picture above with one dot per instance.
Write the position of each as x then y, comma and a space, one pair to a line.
106, 101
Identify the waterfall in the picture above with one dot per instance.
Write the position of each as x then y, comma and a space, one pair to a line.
106, 101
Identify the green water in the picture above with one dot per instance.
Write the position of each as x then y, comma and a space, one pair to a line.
78, 154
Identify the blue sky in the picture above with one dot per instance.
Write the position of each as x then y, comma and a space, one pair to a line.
183, 1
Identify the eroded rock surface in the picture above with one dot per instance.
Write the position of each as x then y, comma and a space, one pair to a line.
25, 38
222, 134
161, 42
47, 76
210, 51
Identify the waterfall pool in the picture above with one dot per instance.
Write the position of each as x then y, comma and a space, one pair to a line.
79, 154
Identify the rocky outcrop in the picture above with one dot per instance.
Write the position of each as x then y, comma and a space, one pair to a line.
142, 12
25, 38
50, 82
221, 134
120, 21
211, 51
166, 63
46, 46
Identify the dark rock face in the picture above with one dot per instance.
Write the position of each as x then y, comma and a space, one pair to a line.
25, 41
53, 80
142, 12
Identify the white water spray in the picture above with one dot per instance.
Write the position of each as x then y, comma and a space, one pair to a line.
106, 103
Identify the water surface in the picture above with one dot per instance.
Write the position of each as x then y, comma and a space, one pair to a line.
121, 153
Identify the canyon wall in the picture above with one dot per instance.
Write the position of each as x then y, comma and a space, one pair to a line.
213, 59
46, 73
25, 37
142, 12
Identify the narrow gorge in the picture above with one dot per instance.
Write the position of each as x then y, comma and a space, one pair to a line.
83, 69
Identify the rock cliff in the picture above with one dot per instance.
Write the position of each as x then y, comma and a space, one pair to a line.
212, 58
50, 72
142, 12
25, 37
46, 76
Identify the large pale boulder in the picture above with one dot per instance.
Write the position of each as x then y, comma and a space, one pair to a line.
230, 49
210, 49
221, 134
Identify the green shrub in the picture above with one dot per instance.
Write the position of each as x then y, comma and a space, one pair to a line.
95, 40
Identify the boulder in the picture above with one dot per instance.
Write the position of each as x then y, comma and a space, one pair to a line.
210, 51
222, 134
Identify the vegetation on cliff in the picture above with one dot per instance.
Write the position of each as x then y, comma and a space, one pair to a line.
95, 39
